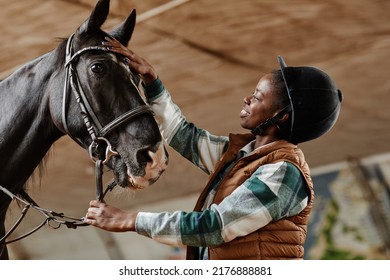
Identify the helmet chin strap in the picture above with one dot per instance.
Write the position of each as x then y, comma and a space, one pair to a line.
259, 130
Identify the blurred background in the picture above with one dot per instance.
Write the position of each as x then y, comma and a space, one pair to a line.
210, 54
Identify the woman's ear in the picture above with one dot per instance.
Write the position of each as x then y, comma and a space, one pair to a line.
284, 118
283, 125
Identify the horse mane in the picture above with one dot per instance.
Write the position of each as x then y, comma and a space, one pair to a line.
37, 176
61, 48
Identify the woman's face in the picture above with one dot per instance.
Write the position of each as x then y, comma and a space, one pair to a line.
260, 106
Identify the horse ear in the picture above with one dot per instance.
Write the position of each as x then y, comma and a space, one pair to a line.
97, 17
124, 31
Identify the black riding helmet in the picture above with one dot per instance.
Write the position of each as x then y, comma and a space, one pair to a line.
314, 103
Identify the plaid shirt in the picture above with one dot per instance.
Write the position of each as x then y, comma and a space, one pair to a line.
273, 192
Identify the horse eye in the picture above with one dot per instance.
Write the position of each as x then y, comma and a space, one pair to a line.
97, 68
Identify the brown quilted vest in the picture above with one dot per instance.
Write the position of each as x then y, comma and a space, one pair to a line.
282, 239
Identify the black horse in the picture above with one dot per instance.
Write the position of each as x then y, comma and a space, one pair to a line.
106, 113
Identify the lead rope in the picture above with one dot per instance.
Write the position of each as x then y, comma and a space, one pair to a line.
52, 219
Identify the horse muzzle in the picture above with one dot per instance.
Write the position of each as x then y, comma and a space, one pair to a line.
153, 169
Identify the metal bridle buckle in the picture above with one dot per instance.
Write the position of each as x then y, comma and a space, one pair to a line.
94, 154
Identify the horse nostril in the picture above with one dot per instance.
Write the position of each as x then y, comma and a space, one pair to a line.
153, 158
159, 158
144, 156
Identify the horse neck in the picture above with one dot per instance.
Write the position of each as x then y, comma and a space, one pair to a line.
26, 127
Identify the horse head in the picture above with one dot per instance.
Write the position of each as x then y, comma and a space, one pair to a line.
111, 118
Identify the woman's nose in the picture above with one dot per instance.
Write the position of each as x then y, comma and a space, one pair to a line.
246, 100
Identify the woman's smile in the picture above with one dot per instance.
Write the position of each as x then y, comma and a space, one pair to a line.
244, 113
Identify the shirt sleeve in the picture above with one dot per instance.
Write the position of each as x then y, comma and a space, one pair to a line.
195, 144
273, 192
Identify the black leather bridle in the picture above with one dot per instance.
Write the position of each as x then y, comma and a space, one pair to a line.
95, 128
97, 132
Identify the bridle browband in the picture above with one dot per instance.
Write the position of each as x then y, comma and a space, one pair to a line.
97, 132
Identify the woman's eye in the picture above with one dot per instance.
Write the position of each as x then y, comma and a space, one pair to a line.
254, 97
97, 68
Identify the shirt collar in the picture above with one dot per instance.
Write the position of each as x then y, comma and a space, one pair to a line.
249, 148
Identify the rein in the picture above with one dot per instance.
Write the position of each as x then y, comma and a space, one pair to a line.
52, 218
97, 132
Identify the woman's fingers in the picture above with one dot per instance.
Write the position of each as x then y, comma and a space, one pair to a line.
135, 62
116, 46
